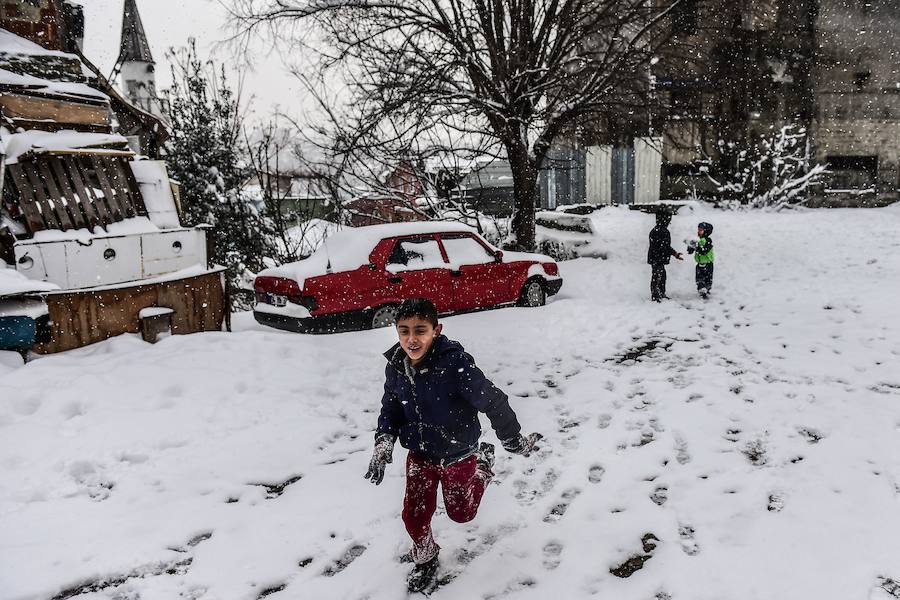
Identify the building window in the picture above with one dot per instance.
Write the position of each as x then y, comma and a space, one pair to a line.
861, 79
685, 103
852, 172
24, 10
684, 18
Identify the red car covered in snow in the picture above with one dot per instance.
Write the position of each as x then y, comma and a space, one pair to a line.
359, 276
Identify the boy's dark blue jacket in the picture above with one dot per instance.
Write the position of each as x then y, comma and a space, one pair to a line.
434, 410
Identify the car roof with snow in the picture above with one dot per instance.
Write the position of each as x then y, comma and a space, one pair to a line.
349, 249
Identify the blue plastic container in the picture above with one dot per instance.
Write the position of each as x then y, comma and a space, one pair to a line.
17, 333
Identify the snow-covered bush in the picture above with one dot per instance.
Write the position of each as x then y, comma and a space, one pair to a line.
564, 221
204, 155
774, 169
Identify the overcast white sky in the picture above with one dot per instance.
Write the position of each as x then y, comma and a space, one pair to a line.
169, 23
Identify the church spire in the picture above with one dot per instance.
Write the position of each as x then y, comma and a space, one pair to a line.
134, 46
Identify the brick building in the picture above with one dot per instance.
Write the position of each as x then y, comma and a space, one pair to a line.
830, 66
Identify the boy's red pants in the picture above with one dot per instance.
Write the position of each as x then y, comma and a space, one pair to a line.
463, 485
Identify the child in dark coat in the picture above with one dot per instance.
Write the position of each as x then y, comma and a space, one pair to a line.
433, 393
658, 255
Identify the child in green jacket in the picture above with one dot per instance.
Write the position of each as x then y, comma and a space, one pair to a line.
702, 249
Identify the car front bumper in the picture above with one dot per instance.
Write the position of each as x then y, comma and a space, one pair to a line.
553, 286
332, 323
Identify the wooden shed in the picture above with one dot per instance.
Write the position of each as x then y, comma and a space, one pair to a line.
80, 211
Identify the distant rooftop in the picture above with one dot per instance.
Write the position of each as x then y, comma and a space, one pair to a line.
134, 46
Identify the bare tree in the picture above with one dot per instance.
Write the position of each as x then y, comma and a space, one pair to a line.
520, 72
291, 192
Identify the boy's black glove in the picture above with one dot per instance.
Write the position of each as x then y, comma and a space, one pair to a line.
381, 456
521, 444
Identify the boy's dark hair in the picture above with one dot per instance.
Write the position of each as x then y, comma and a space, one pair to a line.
418, 307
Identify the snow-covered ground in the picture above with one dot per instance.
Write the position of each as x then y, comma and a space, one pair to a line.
755, 435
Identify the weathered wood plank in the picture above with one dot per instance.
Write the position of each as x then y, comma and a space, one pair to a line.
40, 197
33, 218
29, 108
79, 318
76, 208
62, 209
78, 165
112, 201
86, 199
135, 189
119, 184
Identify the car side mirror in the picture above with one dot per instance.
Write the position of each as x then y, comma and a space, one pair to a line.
498, 256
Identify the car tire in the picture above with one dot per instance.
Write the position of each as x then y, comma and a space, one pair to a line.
533, 293
383, 316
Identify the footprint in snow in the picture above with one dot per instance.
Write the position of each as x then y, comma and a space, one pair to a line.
514, 586
756, 452
557, 512
776, 502
272, 589
681, 451
595, 473
732, 435
526, 494
475, 548
646, 437
552, 552
660, 495
352, 553
276, 489
890, 585
688, 543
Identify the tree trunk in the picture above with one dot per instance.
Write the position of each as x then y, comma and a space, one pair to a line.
525, 192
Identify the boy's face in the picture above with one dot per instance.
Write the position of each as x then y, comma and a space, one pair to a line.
699, 232
416, 337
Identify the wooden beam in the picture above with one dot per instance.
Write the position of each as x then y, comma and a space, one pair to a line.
119, 184
77, 208
63, 211
44, 203
33, 218
75, 112
97, 213
112, 200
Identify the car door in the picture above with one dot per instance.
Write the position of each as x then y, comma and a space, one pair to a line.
416, 269
479, 279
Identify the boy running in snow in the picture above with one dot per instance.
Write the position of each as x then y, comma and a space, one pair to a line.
658, 255
702, 249
433, 393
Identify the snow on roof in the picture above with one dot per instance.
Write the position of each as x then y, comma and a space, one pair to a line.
48, 86
12, 283
12, 44
349, 249
15, 145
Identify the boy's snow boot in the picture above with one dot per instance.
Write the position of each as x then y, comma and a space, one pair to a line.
422, 576
484, 458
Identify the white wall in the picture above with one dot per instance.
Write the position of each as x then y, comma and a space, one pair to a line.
647, 169
598, 175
